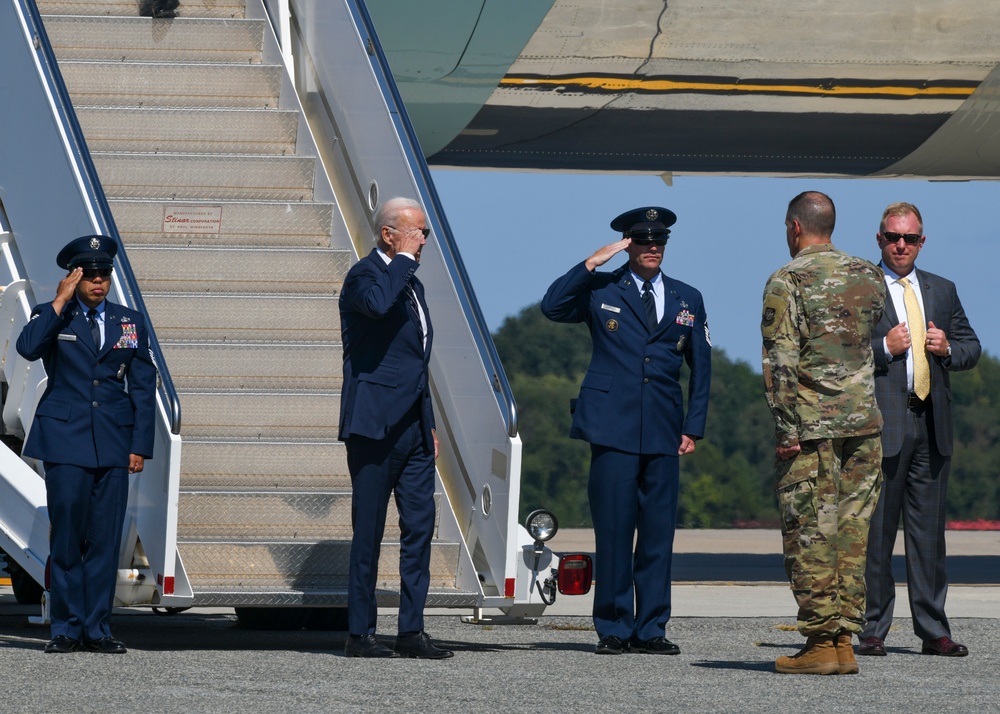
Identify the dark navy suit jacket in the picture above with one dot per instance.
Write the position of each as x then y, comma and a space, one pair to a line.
85, 416
385, 359
631, 397
944, 309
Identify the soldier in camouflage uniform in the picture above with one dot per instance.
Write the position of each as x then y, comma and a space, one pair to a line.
819, 314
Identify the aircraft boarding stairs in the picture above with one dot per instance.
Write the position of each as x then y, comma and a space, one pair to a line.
185, 113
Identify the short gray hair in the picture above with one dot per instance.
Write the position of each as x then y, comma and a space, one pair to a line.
388, 213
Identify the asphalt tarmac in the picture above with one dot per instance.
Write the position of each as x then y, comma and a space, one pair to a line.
729, 634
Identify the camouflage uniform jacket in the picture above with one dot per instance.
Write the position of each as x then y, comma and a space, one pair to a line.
820, 311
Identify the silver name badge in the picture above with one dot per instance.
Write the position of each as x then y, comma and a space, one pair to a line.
610, 308
67, 338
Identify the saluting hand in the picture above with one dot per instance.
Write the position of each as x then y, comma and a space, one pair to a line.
607, 253
67, 289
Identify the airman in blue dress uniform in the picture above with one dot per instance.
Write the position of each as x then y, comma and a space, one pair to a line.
93, 426
643, 325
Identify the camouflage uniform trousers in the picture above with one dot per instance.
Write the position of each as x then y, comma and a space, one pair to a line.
827, 495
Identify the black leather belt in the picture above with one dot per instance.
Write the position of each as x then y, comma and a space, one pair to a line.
916, 403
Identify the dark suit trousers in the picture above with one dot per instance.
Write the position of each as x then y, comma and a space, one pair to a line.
632, 494
86, 512
914, 486
400, 463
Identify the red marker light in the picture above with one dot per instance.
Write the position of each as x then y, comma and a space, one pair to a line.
576, 572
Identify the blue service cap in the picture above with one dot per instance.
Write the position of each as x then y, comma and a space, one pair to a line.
644, 222
88, 252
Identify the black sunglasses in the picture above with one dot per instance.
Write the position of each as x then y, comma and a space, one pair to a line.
646, 240
91, 273
910, 238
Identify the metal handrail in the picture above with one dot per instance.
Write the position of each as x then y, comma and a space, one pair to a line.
99, 203
415, 156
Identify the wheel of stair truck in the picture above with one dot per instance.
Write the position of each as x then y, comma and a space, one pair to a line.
26, 590
272, 618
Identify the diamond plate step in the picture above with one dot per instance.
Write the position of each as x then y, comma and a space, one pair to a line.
229, 270
300, 565
199, 365
316, 597
263, 464
205, 515
301, 224
135, 84
128, 8
204, 131
202, 316
142, 39
199, 176
261, 415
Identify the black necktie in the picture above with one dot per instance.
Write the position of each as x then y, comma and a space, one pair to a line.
649, 302
412, 295
95, 329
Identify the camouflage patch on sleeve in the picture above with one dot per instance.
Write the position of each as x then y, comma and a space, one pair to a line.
774, 310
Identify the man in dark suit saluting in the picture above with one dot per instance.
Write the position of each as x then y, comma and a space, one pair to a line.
923, 336
387, 423
93, 426
644, 326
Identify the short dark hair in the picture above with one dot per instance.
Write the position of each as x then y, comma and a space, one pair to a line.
814, 211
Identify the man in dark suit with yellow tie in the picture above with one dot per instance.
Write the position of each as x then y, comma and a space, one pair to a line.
923, 336
93, 426
387, 423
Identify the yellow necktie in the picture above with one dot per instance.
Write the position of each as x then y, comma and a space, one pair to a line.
918, 341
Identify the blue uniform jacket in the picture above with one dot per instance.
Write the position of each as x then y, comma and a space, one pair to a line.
631, 398
98, 407
385, 360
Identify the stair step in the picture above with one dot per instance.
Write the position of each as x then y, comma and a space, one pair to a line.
200, 365
129, 8
301, 224
199, 176
204, 316
308, 515
263, 464
194, 131
301, 565
135, 84
229, 270
262, 415
142, 39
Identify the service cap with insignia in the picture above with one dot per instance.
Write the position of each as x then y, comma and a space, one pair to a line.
646, 222
88, 252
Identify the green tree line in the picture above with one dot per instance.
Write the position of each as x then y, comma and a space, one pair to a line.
728, 481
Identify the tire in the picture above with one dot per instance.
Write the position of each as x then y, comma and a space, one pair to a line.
328, 619
26, 590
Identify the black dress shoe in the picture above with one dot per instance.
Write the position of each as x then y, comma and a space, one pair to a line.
944, 647
610, 645
419, 646
366, 646
107, 645
654, 645
872, 647
62, 645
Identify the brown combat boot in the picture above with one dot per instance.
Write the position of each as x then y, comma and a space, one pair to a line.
845, 653
818, 657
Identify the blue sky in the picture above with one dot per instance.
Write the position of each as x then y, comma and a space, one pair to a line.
517, 232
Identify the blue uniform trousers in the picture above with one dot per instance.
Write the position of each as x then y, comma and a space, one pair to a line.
403, 464
632, 494
86, 513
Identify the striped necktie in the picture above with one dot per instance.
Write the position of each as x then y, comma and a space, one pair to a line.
918, 341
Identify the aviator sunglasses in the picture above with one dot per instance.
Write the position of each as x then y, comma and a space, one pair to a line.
91, 273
